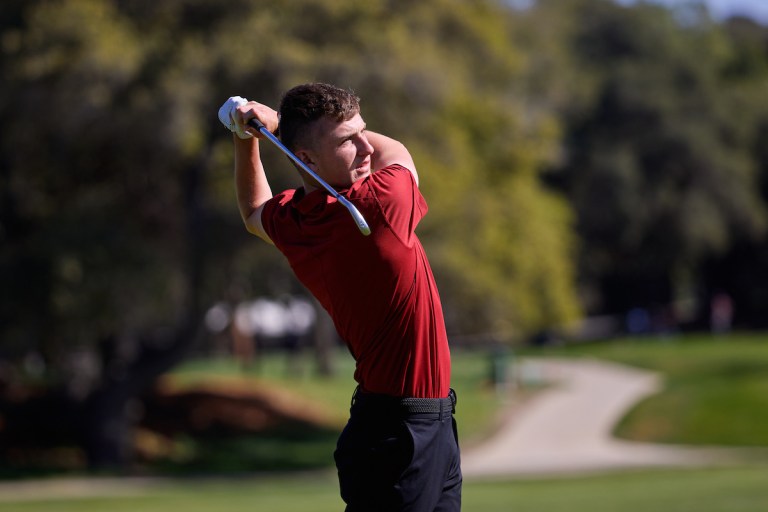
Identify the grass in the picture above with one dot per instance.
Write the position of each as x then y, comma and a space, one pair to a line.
715, 388
312, 447
707, 490
719, 490
715, 394
476, 412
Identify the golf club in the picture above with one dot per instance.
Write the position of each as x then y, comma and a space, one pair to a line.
362, 225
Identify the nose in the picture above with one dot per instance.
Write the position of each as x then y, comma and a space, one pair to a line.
363, 146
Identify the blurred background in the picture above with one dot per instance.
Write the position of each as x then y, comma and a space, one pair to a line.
596, 171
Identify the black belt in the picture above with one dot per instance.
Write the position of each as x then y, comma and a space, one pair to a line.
363, 400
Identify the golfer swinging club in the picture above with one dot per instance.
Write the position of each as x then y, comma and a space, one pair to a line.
399, 451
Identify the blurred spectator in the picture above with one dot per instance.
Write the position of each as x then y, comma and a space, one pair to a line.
638, 321
721, 313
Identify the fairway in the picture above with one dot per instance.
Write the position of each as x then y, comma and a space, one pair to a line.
715, 490
694, 366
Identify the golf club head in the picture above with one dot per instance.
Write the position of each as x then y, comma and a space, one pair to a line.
362, 225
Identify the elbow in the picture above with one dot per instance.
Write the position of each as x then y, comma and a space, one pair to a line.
259, 232
250, 228
251, 216
254, 226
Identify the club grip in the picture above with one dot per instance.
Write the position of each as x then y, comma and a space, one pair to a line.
256, 124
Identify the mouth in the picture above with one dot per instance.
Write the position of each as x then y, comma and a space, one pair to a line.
364, 167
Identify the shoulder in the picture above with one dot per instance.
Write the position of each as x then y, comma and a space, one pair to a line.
391, 183
276, 210
283, 198
395, 191
281, 201
393, 174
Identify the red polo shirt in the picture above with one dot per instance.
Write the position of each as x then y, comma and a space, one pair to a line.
378, 289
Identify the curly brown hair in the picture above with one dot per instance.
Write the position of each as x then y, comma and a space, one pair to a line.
304, 104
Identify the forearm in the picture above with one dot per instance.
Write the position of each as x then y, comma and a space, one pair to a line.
388, 151
251, 184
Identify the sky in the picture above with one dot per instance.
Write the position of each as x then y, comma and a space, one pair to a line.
720, 9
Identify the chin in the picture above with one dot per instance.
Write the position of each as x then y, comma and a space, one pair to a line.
360, 174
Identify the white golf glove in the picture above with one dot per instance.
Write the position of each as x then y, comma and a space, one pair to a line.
227, 116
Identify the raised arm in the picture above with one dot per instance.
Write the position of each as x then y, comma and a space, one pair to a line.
252, 187
388, 151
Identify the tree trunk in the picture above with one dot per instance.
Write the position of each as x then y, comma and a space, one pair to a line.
109, 413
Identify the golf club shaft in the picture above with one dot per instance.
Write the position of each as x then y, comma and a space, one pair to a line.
362, 225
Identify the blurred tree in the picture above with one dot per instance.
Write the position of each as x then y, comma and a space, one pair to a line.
658, 161
117, 217
743, 270
118, 225
111, 246
476, 141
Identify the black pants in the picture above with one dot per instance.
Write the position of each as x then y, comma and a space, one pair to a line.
400, 455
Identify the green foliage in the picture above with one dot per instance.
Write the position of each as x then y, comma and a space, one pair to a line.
129, 213
500, 243
418, 78
659, 169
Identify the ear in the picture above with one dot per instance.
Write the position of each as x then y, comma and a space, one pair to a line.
307, 157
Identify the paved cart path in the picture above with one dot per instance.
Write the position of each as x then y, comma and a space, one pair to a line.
567, 427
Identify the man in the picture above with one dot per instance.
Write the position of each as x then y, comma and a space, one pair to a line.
399, 450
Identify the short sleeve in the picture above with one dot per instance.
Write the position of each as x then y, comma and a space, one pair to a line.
399, 199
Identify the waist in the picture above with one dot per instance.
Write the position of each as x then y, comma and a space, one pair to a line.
403, 406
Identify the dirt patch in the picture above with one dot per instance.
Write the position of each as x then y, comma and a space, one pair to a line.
176, 425
229, 404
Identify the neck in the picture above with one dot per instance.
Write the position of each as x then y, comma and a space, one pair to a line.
310, 184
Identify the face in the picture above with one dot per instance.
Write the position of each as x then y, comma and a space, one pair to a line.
341, 153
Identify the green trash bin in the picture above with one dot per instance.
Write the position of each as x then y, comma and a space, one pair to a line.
501, 367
